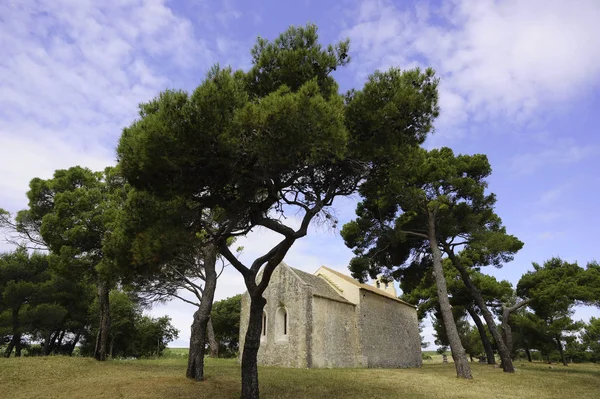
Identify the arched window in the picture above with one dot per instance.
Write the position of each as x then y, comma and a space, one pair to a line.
282, 324
264, 324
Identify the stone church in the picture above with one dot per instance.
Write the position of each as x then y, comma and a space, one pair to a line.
328, 319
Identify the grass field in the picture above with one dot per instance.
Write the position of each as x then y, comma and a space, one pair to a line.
65, 378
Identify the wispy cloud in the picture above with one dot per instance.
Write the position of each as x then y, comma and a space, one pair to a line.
504, 59
558, 154
72, 74
550, 235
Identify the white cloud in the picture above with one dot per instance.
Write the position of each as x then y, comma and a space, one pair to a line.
71, 76
559, 153
503, 59
552, 195
551, 235
551, 216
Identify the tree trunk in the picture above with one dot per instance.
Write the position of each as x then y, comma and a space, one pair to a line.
53, 341
561, 349
506, 330
504, 353
463, 370
212, 341
15, 342
195, 367
74, 344
251, 346
101, 351
60, 338
11, 345
47, 344
487, 345
18, 346
528, 353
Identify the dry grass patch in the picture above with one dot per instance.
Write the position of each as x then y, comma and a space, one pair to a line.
63, 377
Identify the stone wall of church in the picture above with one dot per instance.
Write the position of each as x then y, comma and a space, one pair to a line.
334, 339
389, 332
281, 346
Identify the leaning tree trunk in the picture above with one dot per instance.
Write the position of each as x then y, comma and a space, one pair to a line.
251, 346
195, 367
459, 355
561, 349
528, 353
506, 329
74, 344
101, 350
507, 364
15, 342
485, 341
212, 341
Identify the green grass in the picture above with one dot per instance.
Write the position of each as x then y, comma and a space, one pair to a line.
64, 377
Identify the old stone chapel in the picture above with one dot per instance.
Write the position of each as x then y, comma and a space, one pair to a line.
331, 320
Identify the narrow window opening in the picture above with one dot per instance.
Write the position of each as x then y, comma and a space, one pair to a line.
264, 324
281, 324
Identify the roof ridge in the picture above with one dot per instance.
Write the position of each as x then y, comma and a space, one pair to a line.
367, 287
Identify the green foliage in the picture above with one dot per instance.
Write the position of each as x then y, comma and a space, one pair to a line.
74, 212
554, 289
132, 334
558, 285
390, 233
590, 341
39, 301
225, 317
247, 143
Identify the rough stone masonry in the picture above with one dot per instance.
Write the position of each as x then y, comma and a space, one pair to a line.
328, 319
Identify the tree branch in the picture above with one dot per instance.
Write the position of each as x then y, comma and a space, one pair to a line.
414, 233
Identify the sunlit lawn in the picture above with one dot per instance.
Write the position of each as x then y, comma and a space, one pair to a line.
64, 377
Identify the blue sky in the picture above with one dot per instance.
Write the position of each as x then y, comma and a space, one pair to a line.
520, 82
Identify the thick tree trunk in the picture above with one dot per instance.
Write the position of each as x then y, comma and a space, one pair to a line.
101, 351
212, 341
561, 349
504, 353
463, 370
487, 345
195, 367
251, 346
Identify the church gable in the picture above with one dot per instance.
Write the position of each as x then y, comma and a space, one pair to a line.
319, 286
339, 279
